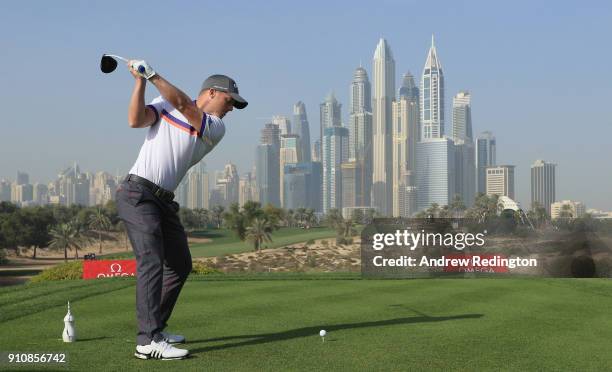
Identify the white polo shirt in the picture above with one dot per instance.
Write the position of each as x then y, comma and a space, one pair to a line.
172, 146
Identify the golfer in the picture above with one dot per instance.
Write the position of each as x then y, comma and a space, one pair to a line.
180, 133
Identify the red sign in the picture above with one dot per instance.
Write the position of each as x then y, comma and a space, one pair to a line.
477, 263
95, 269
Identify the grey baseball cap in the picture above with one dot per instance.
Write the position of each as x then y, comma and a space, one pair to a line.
225, 84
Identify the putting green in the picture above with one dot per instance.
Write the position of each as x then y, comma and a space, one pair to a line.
237, 323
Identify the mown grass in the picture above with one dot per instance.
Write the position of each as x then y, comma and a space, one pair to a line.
271, 322
226, 242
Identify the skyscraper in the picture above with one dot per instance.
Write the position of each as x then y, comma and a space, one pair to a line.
382, 98
462, 116
288, 154
268, 166
432, 96
465, 163
500, 181
331, 115
405, 131
435, 174
351, 187
303, 185
198, 187
360, 135
302, 129
227, 185
5, 191
485, 157
543, 184
283, 122
246, 189
409, 88
335, 152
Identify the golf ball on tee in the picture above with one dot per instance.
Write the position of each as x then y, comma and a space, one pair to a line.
322, 333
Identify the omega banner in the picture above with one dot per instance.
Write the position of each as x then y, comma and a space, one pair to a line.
96, 269
463, 248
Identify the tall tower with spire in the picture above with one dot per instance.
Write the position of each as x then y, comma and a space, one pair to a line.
436, 153
360, 136
432, 96
382, 99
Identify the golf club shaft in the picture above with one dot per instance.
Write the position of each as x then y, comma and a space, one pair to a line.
118, 57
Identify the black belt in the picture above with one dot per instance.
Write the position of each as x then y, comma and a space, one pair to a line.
161, 193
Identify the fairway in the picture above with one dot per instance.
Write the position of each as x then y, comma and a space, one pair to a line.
226, 242
504, 324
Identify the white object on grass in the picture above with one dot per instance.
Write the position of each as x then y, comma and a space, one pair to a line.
69, 334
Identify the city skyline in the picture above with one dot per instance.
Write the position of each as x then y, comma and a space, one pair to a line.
494, 65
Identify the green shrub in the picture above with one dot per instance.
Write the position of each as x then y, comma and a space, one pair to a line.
66, 271
3, 259
200, 268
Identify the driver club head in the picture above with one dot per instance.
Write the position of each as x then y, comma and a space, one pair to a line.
107, 64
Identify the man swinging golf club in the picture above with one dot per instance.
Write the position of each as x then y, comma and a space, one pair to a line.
181, 131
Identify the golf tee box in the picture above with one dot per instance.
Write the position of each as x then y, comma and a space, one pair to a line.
96, 269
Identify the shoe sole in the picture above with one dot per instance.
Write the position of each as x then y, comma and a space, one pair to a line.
148, 356
176, 342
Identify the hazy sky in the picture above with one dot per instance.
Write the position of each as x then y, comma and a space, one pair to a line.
539, 74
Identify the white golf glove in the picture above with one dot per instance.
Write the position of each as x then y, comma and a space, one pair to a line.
143, 69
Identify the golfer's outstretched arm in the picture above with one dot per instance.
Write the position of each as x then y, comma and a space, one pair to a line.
179, 101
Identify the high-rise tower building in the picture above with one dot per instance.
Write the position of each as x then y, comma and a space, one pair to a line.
283, 122
382, 99
268, 166
465, 162
486, 149
302, 129
360, 135
405, 131
335, 152
462, 116
543, 184
432, 96
435, 173
500, 181
409, 89
288, 155
330, 111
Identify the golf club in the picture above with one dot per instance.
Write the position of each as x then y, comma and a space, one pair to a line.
108, 63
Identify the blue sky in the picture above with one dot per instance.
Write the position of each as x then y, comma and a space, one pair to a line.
539, 75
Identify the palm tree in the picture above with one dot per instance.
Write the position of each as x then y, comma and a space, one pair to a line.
202, 216
434, 210
334, 218
289, 218
310, 218
457, 206
100, 222
235, 220
260, 231
217, 214
299, 215
348, 228
64, 236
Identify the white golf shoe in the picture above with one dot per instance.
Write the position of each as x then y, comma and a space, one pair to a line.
173, 339
160, 350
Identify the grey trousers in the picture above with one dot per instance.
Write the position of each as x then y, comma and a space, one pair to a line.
163, 260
